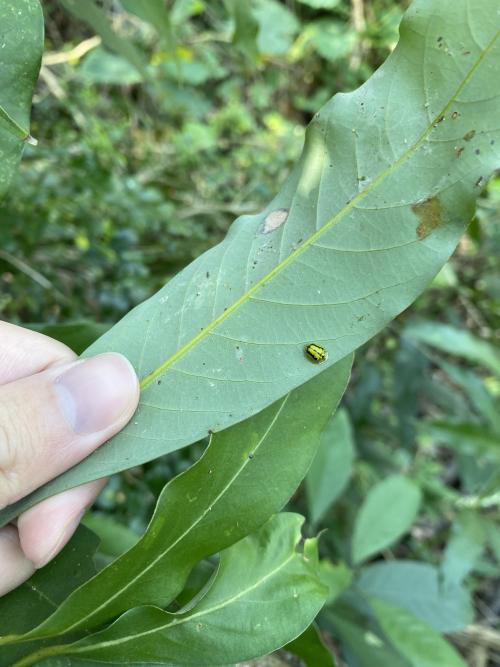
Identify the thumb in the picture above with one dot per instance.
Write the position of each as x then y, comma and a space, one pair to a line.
52, 420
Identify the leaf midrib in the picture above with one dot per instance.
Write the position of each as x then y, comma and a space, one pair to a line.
224, 603
12, 125
148, 379
172, 546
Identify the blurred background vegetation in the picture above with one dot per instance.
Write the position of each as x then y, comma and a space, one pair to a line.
154, 134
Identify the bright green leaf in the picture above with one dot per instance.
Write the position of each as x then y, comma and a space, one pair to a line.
21, 46
332, 466
372, 211
266, 593
416, 641
387, 513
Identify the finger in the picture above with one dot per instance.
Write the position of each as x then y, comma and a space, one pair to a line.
52, 420
46, 528
16, 567
24, 352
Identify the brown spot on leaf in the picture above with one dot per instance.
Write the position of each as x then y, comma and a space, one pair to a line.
470, 135
273, 220
460, 151
455, 115
429, 212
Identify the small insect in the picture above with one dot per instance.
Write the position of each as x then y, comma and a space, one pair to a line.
316, 353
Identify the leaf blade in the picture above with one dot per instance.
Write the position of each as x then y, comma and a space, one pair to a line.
208, 321
388, 512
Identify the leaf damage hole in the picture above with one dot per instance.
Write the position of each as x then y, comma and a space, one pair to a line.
274, 220
429, 212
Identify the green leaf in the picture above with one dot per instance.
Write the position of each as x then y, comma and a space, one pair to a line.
42, 593
91, 14
332, 466
311, 649
77, 335
155, 12
21, 47
457, 342
277, 27
464, 548
416, 641
321, 4
37, 597
417, 588
212, 505
472, 439
338, 578
265, 594
372, 211
101, 66
368, 649
246, 28
387, 513
115, 538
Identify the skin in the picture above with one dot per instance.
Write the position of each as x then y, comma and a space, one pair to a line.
54, 411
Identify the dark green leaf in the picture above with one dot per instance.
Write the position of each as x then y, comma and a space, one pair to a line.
265, 594
311, 649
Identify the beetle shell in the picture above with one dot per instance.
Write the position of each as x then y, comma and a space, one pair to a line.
315, 353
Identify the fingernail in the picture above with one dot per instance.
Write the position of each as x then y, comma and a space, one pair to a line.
51, 550
96, 392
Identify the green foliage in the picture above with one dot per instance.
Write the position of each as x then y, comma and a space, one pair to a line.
223, 490
388, 512
143, 161
306, 274
332, 466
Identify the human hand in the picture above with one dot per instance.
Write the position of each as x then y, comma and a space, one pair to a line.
54, 411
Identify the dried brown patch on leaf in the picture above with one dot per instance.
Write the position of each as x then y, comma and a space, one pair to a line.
430, 215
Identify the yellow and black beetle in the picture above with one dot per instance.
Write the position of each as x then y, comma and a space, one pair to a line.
316, 353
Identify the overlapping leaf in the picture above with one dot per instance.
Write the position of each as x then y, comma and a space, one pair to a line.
382, 193
209, 507
266, 592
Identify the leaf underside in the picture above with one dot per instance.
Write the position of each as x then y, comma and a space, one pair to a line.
377, 203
